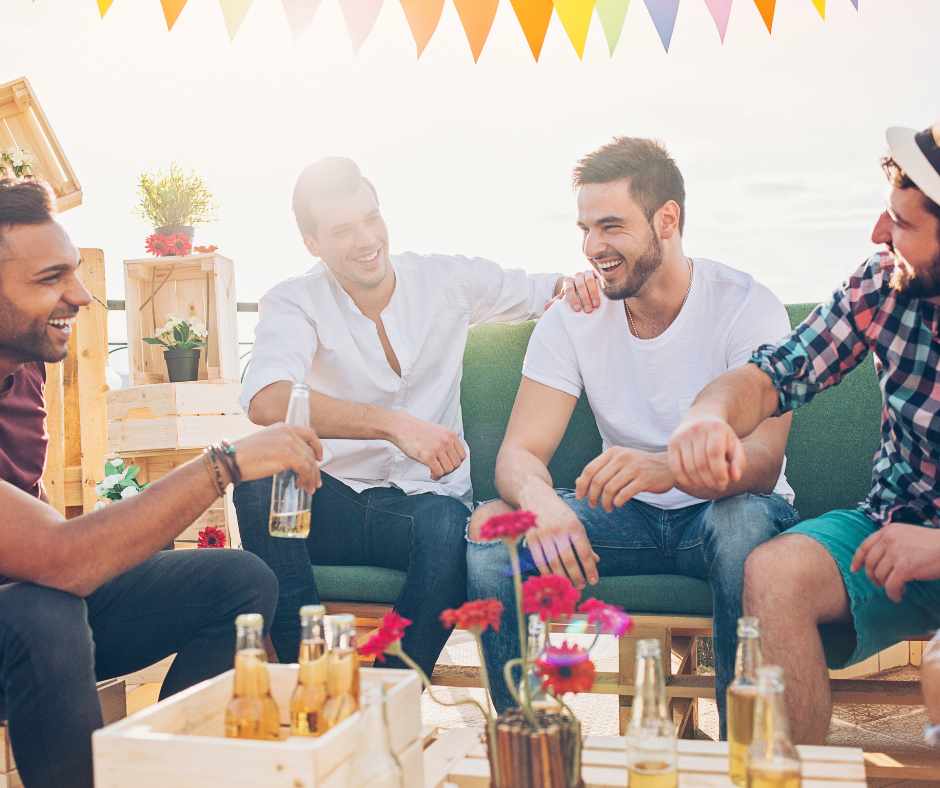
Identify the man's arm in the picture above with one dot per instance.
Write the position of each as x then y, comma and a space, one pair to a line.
539, 418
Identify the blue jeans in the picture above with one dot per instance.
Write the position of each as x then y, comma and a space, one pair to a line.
54, 646
422, 535
709, 541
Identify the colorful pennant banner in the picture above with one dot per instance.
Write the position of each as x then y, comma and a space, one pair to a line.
534, 16
423, 16
575, 17
300, 14
360, 16
612, 14
766, 8
664, 13
721, 12
103, 6
821, 7
171, 10
477, 17
234, 12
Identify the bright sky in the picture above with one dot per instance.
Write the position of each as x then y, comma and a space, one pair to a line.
778, 137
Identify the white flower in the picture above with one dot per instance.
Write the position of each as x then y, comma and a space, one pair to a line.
20, 158
129, 492
100, 505
117, 462
99, 490
198, 327
109, 481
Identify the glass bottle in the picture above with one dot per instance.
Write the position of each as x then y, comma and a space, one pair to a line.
252, 712
652, 760
342, 672
306, 704
532, 688
742, 695
771, 761
374, 765
290, 504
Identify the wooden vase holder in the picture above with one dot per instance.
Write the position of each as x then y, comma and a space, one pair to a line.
530, 757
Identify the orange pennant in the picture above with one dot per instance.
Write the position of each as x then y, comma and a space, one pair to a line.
171, 10
477, 17
422, 16
534, 16
103, 6
766, 8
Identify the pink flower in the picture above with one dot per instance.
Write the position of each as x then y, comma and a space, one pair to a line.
211, 537
180, 244
389, 633
509, 526
550, 596
476, 615
158, 245
610, 619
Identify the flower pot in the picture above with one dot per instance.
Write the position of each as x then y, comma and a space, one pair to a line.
527, 756
169, 229
182, 365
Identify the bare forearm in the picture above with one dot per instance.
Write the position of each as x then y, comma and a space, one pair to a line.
521, 477
743, 398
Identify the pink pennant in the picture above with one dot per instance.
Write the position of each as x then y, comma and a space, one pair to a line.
299, 15
360, 16
721, 11
664, 14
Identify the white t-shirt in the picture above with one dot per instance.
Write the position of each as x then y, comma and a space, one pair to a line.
640, 389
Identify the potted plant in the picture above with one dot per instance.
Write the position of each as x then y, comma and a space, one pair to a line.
182, 340
18, 161
174, 201
118, 483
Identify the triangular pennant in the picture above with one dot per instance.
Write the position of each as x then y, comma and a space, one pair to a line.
664, 14
300, 14
476, 16
821, 7
360, 16
171, 10
575, 16
423, 16
855, 3
612, 13
233, 12
534, 16
103, 6
766, 8
721, 10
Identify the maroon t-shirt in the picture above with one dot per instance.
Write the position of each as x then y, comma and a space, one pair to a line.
23, 436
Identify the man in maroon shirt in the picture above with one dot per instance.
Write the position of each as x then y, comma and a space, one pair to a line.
91, 598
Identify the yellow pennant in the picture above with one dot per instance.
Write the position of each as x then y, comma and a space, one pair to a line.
821, 7
766, 8
534, 16
575, 16
233, 12
103, 6
171, 10
476, 16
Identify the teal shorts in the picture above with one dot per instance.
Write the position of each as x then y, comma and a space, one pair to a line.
878, 622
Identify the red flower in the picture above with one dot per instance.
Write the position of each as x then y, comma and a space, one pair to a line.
510, 525
550, 596
566, 668
211, 537
391, 631
158, 245
180, 244
477, 615
610, 619
205, 249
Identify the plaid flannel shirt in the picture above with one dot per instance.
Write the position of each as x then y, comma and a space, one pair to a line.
868, 314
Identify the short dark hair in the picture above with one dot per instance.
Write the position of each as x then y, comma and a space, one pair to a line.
901, 180
646, 165
327, 179
24, 201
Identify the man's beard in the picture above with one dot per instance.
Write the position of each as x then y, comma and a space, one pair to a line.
25, 342
644, 266
923, 283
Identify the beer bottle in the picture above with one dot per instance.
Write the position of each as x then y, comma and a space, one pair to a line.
652, 760
374, 765
252, 712
306, 704
290, 504
771, 760
742, 694
531, 687
342, 672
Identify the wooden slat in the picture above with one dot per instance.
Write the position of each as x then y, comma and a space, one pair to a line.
176, 432
7, 764
175, 399
909, 765
446, 752
53, 477
113, 699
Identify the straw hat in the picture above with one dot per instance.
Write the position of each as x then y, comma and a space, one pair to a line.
918, 154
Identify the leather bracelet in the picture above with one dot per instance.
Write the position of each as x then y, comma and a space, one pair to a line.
228, 453
213, 464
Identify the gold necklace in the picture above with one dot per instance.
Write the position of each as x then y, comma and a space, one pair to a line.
630, 314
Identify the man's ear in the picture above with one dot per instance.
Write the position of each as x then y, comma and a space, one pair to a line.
669, 219
311, 243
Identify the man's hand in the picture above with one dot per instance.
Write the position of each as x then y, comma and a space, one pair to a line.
277, 448
705, 452
581, 291
619, 473
898, 553
430, 444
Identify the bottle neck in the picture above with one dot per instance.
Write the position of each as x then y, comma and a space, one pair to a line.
311, 629
649, 701
537, 638
748, 658
298, 409
770, 717
249, 638
344, 640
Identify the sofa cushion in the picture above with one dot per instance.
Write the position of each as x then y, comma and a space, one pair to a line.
358, 584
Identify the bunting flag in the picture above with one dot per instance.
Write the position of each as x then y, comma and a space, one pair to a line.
477, 17
233, 12
664, 14
360, 16
422, 16
766, 8
855, 3
171, 10
534, 16
821, 7
575, 17
721, 10
103, 6
612, 14
300, 14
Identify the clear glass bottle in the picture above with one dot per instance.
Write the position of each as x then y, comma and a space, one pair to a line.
252, 712
771, 761
742, 696
537, 641
374, 765
290, 504
342, 673
306, 704
652, 760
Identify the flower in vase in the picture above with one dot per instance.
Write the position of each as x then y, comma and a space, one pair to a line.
389, 632
509, 526
211, 537
158, 245
565, 668
180, 244
550, 596
475, 616
609, 619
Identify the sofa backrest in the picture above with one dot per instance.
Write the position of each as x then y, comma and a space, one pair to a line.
829, 453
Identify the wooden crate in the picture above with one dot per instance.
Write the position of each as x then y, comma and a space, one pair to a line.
23, 125
179, 743
201, 285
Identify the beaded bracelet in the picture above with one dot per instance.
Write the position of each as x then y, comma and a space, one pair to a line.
228, 453
212, 463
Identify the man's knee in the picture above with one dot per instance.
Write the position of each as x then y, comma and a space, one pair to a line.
484, 513
46, 621
791, 568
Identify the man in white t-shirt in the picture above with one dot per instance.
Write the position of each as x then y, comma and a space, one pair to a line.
379, 338
668, 326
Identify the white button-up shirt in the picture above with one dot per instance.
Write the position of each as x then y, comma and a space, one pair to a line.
310, 330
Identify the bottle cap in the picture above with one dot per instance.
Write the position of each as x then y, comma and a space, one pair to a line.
749, 626
312, 610
300, 388
249, 620
648, 647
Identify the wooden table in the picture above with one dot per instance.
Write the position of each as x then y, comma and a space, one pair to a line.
459, 757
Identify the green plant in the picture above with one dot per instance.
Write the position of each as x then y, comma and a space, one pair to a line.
119, 483
174, 197
179, 334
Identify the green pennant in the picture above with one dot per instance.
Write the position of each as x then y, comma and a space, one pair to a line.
612, 14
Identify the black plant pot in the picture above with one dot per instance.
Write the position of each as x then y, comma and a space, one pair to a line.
182, 365
170, 229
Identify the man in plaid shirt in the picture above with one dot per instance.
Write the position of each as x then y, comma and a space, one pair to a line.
812, 575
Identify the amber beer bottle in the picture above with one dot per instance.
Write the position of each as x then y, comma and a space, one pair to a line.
306, 704
342, 672
252, 712
290, 504
742, 694
771, 761
651, 738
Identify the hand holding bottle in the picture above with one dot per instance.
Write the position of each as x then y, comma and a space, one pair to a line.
277, 448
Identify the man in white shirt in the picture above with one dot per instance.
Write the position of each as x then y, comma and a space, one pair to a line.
669, 325
379, 338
